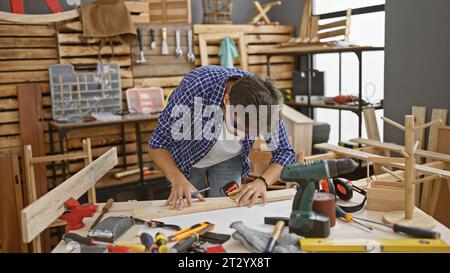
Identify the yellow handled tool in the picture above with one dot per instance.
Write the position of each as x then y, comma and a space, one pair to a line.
186, 232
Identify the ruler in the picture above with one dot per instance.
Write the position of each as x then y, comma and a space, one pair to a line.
374, 245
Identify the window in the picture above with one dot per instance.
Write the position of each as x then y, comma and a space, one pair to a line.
365, 29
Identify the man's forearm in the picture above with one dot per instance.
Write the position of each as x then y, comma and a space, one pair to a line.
272, 173
163, 159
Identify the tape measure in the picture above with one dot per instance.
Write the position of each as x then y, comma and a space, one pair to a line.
343, 188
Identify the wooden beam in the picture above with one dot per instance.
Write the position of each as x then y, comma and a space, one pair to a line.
427, 188
40, 214
398, 148
210, 205
364, 156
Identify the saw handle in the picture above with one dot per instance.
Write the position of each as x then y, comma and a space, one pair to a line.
417, 232
108, 205
67, 237
140, 38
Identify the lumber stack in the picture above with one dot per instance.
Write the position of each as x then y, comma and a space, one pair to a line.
259, 39
26, 51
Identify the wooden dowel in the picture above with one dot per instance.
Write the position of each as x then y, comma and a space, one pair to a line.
393, 123
410, 169
427, 178
431, 123
386, 159
393, 173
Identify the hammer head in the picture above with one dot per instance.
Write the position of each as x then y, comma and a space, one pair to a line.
142, 60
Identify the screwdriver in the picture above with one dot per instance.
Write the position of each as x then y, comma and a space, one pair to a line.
147, 241
411, 231
348, 217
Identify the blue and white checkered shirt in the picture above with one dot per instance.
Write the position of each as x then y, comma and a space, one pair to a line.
208, 83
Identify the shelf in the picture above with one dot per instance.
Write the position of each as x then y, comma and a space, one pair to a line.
314, 49
334, 106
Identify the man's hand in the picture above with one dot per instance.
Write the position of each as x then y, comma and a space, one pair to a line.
249, 193
181, 190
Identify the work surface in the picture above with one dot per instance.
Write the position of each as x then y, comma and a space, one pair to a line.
254, 218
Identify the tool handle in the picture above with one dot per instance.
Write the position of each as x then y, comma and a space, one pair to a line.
417, 232
140, 38
153, 35
164, 33
108, 205
178, 38
190, 40
67, 237
146, 240
184, 244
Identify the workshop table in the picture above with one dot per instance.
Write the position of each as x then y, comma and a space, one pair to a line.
63, 128
254, 218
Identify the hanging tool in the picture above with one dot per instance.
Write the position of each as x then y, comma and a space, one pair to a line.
155, 224
411, 231
275, 236
303, 220
178, 50
153, 43
149, 244
142, 60
75, 212
105, 209
164, 45
187, 242
190, 54
348, 217
186, 232
369, 245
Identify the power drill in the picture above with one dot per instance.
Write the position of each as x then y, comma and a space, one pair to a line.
303, 220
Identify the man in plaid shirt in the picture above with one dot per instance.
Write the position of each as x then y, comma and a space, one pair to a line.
200, 141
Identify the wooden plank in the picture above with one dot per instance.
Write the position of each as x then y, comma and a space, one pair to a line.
159, 81
40, 214
443, 146
149, 70
210, 205
32, 128
10, 141
79, 51
364, 156
341, 23
398, 148
331, 34
32, 53
24, 76
8, 104
11, 203
370, 120
29, 42
9, 129
27, 30
123, 61
8, 117
427, 188
258, 29
305, 21
26, 65
39, 18
282, 70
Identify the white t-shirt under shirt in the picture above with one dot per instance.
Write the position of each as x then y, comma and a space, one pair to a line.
227, 146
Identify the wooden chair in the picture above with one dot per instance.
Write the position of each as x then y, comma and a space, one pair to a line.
204, 38
29, 162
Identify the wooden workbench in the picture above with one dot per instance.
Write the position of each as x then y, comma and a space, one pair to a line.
254, 217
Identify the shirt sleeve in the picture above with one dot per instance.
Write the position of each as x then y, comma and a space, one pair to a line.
282, 151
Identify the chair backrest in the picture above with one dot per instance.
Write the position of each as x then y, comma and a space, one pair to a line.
204, 38
332, 31
29, 162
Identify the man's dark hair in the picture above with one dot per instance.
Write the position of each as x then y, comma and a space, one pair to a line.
255, 91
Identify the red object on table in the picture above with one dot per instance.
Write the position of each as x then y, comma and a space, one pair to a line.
74, 217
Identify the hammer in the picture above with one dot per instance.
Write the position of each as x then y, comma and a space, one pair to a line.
141, 46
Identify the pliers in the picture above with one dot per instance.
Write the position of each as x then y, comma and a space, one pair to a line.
155, 224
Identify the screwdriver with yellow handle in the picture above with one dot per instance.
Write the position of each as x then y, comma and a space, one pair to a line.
186, 232
348, 217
